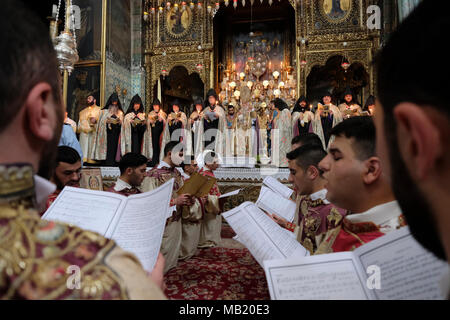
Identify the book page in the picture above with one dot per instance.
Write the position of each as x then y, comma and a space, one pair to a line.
334, 276
263, 237
408, 271
87, 209
206, 186
141, 225
278, 187
272, 202
197, 185
192, 185
231, 193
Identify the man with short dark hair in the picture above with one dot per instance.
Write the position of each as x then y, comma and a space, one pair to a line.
316, 215
37, 252
355, 181
413, 124
68, 168
166, 170
132, 172
306, 138
66, 173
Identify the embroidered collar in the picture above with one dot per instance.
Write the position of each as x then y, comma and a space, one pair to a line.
163, 164
321, 194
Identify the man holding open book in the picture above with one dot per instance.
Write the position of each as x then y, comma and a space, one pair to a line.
156, 177
212, 220
191, 216
35, 254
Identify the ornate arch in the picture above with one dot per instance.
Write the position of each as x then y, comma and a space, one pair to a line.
186, 60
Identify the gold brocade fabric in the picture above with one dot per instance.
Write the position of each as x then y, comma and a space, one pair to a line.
39, 259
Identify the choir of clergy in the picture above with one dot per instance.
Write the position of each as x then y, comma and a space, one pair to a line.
237, 129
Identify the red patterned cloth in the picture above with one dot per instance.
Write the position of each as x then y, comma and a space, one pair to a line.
218, 274
350, 236
164, 174
215, 189
50, 199
36, 254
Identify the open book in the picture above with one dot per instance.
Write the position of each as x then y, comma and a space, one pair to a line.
197, 185
274, 198
210, 115
229, 194
278, 187
394, 266
136, 222
262, 236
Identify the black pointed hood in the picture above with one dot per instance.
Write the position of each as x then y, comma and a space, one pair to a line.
280, 104
156, 102
349, 91
135, 99
111, 99
370, 101
211, 92
298, 108
198, 101
175, 102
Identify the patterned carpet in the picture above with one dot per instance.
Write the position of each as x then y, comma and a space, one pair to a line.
218, 274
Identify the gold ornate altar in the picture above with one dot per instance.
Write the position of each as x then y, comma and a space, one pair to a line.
183, 34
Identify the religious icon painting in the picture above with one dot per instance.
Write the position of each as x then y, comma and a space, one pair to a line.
88, 26
336, 10
178, 22
91, 178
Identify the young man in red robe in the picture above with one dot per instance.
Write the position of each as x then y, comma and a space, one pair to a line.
132, 172
355, 181
316, 215
166, 170
192, 216
212, 220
